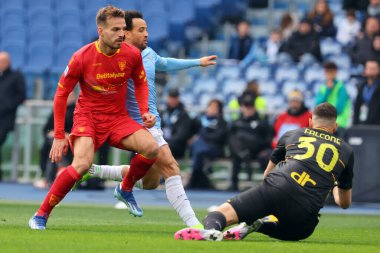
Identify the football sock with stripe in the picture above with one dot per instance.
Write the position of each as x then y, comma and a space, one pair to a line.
61, 186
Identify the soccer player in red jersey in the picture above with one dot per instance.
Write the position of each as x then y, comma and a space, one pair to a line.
102, 69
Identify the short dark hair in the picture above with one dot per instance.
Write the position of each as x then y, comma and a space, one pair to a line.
129, 16
247, 99
325, 111
173, 92
108, 12
330, 65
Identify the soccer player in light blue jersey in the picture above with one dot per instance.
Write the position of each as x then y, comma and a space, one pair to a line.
166, 166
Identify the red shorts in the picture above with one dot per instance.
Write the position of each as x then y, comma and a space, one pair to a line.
111, 128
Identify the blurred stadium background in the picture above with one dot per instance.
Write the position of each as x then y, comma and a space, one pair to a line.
41, 35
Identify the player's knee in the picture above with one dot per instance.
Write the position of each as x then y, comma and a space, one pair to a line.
81, 166
150, 150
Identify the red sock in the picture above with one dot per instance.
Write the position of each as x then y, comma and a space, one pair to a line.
139, 167
61, 186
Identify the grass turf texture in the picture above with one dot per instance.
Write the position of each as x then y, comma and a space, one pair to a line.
104, 229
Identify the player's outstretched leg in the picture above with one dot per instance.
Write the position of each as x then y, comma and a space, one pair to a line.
196, 234
240, 231
107, 172
61, 186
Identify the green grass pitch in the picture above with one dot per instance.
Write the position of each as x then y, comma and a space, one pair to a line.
78, 228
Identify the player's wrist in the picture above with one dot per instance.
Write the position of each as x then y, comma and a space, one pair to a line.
60, 135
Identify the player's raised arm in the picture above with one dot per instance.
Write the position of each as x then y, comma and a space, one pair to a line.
66, 84
172, 64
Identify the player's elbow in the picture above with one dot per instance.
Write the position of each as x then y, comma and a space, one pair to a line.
345, 198
345, 205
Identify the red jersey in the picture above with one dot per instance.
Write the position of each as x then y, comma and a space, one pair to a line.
103, 82
286, 122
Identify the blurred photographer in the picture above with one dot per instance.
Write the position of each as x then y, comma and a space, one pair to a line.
248, 136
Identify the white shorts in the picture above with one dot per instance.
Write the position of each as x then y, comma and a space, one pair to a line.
158, 136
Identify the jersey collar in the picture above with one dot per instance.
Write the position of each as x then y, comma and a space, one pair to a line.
99, 51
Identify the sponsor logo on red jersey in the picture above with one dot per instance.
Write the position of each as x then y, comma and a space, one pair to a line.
122, 65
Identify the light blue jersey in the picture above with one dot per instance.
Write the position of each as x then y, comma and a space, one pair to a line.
152, 62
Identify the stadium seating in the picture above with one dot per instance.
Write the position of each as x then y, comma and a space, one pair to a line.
40, 16
7, 5
158, 28
180, 14
288, 86
207, 13
70, 33
268, 87
40, 57
64, 51
16, 49
41, 33
10, 17
259, 17
40, 4
205, 84
69, 17
281, 4
233, 86
286, 72
13, 33
314, 73
126, 4
330, 46
228, 71
71, 5
153, 6
257, 71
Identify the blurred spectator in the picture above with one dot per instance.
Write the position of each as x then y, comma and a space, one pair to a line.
268, 54
375, 50
359, 51
302, 42
260, 104
211, 131
12, 84
296, 116
176, 124
258, 4
248, 136
240, 44
335, 93
348, 28
288, 25
367, 104
355, 4
273, 46
51, 170
373, 9
322, 19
